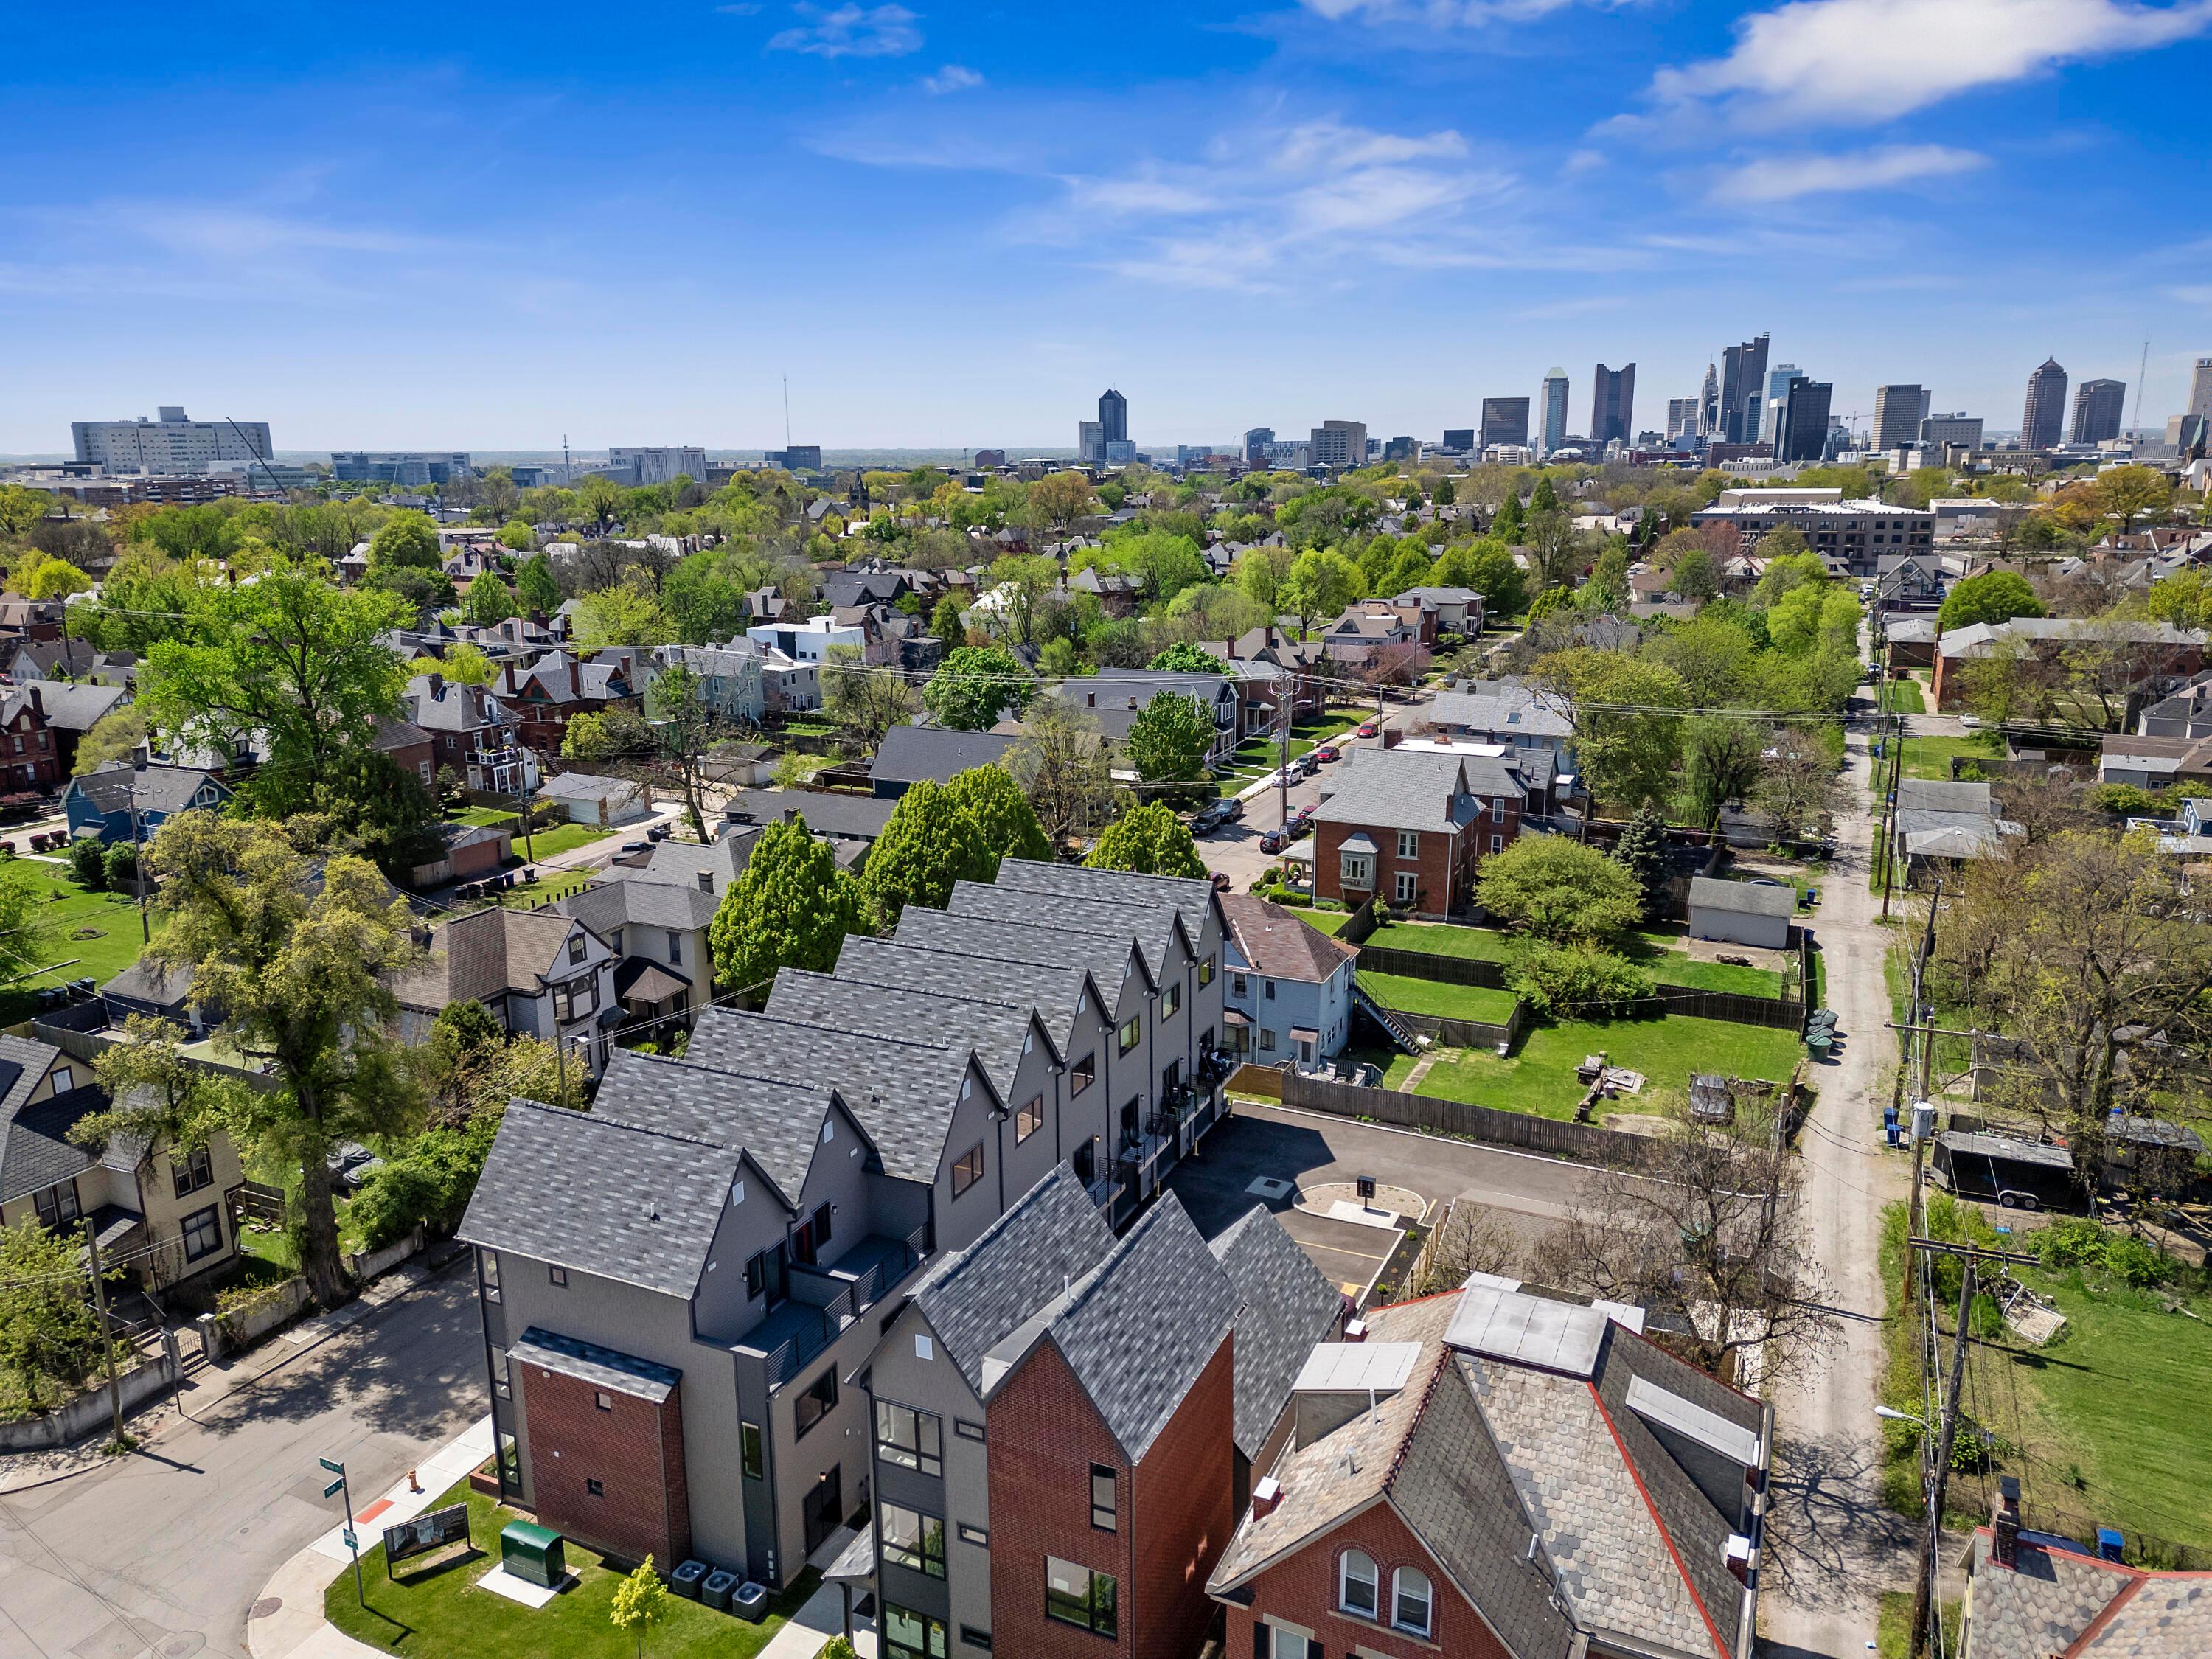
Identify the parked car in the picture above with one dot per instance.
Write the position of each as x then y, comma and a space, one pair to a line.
1970, 722
1326, 753
1273, 841
1367, 729
1302, 769
1232, 810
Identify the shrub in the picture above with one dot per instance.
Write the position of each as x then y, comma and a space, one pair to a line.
2136, 1262
89, 863
2079, 1242
1578, 979
119, 864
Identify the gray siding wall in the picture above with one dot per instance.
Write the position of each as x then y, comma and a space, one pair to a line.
936, 1385
960, 1220
1026, 1163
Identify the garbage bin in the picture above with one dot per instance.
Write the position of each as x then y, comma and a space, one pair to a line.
532, 1554
750, 1601
715, 1592
685, 1581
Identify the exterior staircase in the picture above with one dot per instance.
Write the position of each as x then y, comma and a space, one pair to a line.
1390, 1023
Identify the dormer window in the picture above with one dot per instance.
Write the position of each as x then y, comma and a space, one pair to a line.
576, 947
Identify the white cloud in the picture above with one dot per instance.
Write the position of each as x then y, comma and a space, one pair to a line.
1786, 178
1582, 160
851, 31
1453, 13
953, 77
1873, 60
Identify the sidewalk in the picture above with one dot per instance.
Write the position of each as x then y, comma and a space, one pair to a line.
210, 1387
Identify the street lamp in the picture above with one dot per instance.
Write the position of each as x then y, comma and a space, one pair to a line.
1901, 1417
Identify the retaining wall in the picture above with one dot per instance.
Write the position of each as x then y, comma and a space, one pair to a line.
90, 1410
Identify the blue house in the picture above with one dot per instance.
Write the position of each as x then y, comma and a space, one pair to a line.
1289, 996
100, 804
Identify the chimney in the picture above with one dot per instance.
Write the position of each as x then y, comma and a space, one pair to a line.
1267, 1492
2004, 1526
1739, 1557
1355, 1330
437, 688
38, 703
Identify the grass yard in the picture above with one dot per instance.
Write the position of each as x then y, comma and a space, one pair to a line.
437, 1612
1930, 757
1331, 922
1426, 996
1255, 757
66, 910
1902, 697
1651, 948
1540, 1077
563, 837
1893, 1633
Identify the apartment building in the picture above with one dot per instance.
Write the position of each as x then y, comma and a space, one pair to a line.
1411, 824
173, 444
1861, 533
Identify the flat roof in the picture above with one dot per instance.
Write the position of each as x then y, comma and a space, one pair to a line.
1527, 1330
1356, 1367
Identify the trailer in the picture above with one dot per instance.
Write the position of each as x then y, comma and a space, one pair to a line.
2019, 1174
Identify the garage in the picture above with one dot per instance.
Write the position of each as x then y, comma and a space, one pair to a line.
1753, 913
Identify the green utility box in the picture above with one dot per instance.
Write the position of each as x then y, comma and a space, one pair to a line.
532, 1554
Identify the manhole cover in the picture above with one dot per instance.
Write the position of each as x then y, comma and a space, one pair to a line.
182, 1645
265, 1606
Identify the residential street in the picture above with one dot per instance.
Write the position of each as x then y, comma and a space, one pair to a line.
162, 1552
1830, 1545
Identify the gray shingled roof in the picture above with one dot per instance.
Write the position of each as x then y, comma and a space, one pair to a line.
164, 789
608, 904
1107, 957
998, 1031
1281, 944
1503, 713
837, 817
1743, 897
613, 1199
1154, 929
774, 1120
975, 1298
910, 753
1285, 1306
1193, 897
1399, 789
36, 1151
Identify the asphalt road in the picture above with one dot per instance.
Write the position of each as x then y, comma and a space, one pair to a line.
162, 1552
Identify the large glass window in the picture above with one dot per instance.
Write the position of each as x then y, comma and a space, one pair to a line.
909, 1635
1076, 1595
913, 1440
819, 1399
1170, 1000
750, 1455
1205, 972
912, 1540
1029, 1118
202, 1233
190, 1170
1132, 1033
1083, 1074
968, 1169
1358, 1583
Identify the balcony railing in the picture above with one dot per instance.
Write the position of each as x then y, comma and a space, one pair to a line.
825, 1302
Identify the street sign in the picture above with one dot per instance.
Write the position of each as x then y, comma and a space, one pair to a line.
332, 1465
335, 1487
348, 1537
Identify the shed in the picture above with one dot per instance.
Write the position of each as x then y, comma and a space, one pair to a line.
1741, 912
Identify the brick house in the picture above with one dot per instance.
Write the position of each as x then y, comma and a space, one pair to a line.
2142, 659
1494, 1474
555, 689
1411, 824
29, 762
1106, 1400
472, 735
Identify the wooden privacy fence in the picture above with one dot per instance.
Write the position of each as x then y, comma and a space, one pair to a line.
1584, 1143
1466, 1033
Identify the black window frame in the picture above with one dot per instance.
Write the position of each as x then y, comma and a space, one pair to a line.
1090, 1616
752, 1455
595, 1488
487, 1274
199, 1221
1029, 1118
48, 1204
967, 1430
1170, 1001
930, 1626
923, 1559
1111, 1508
1124, 1043
1083, 1074
924, 1428
971, 1534
812, 1395
967, 1169
1205, 971
190, 1169
556, 1276
975, 1639
602, 1400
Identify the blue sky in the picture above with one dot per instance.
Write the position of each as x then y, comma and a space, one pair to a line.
485, 224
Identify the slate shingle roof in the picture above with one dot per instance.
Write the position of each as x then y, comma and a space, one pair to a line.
910, 753
1192, 897
1284, 1306
1154, 929
164, 789
1275, 942
1107, 957
998, 1031
776, 1121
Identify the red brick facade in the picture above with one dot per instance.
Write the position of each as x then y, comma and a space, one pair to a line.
27, 757
1173, 1513
633, 1449
1300, 1590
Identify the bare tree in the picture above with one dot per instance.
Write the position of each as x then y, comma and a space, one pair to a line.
1473, 1238
1060, 764
864, 701
1706, 1235
1798, 787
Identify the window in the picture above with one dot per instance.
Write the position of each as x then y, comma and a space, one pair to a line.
1102, 1498
676, 949
750, 1456
1268, 1039
1029, 1118
595, 1488
1409, 844
912, 1540
1358, 1583
1076, 1595
966, 1430
576, 1001
1238, 985
1170, 1001
1131, 1034
1358, 870
975, 1639
1410, 1600
190, 1170
1498, 843
1405, 885
1206, 973
1083, 1074
488, 1274
1498, 811
706, 881
974, 1535
64, 1079
819, 1400
968, 1169
202, 1232
602, 1400
1285, 1643
576, 947
764, 1274
58, 1205
913, 1440
908, 1635
559, 1276
923, 1347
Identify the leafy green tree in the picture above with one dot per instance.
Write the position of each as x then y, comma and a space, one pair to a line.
1319, 584
1545, 498
49, 1337
1628, 741
406, 539
516, 537
299, 952
790, 907
974, 684
1262, 573
947, 625
1812, 619
1697, 577
2184, 600
87, 861
1413, 568
1578, 980
1149, 840
115, 736
1994, 596
1511, 520
1169, 738
536, 585
1058, 499
1722, 761
1185, 657
931, 841
1003, 813
487, 601
462, 665
629, 613
604, 736
1489, 569
41, 576
640, 1603
1560, 892
2127, 492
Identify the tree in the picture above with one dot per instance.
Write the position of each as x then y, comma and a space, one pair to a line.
289, 660
1797, 787
1319, 584
49, 1337
159, 1097
1150, 840
866, 703
946, 624
1558, 890
2126, 493
684, 729
1555, 548
466, 665
1058, 499
516, 537
1184, 657
1008, 822
602, 737
43, 577
1171, 738
1627, 744
405, 539
1261, 574
1697, 575
299, 953
1579, 981
1022, 586
1722, 760
1994, 596
2184, 600
790, 907
1707, 1233
1473, 1238
627, 613
1489, 569
1643, 851
487, 601
537, 586
975, 684
640, 1603
115, 736
1812, 617
929, 842
1061, 765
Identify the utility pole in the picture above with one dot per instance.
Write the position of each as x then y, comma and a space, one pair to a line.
1896, 758
107, 1341
1939, 1478
1285, 708
138, 863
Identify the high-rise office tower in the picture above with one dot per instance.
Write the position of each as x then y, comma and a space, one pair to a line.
1090, 442
1760, 406
1555, 409
1681, 416
1897, 416
170, 444
1801, 424
1256, 445
1612, 404
1113, 417
1709, 403
1743, 376
1459, 439
1927, 402
2044, 417
1505, 421
2099, 406
2200, 389
1338, 443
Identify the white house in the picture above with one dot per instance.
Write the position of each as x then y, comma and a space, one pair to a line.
1289, 995
809, 642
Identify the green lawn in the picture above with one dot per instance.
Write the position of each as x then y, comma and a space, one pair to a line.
1652, 948
67, 910
1539, 1077
1894, 1633
1930, 757
1902, 697
483, 817
561, 837
437, 1612
1331, 922
1255, 757
1426, 996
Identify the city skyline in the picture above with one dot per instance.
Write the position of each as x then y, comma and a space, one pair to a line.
384, 244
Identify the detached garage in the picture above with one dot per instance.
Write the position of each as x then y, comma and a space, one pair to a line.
1741, 912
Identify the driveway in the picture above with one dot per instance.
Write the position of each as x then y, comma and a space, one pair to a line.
161, 1553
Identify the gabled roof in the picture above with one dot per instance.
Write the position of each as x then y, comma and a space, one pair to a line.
1743, 897
1399, 789
1284, 1306
1000, 1031
2061, 1599
587, 1191
1156, 931
774, 1121
1108, 957
1274, 942
910, 753
1051, 991
78, 705
587, 785
35, 1151
1499, 711
1191, 897
828, 814
158, 787
606, 905
484, 955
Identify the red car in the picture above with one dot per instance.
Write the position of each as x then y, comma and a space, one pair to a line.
1328, 752
1367, 729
